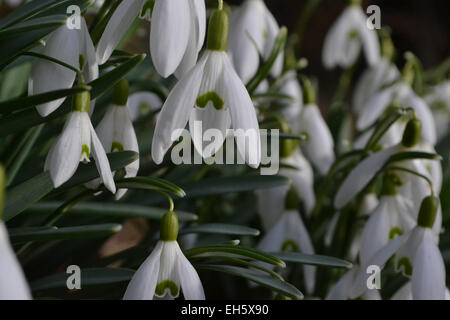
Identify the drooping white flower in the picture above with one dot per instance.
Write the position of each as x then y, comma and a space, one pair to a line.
253, 31
290, 234
405, 293
347, 36
176, 36
13, 285
319, 148
371, 81
439, 101
71, 46
166, 271
116, 131
141, 103
76, 143
290, 86
402, 93
342, 289
210, 96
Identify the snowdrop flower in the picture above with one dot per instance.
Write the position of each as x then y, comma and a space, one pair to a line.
71, 46
176, 36
342, 289
141, 103
417, 255
405, 293
116, 131
75, 144
319, 148
390, 138
294, 106
348, 34
439, 101
211, 95
166, 271
290, 234
271, 201
13, 285
253, 31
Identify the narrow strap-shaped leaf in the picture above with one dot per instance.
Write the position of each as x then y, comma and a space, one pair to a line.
312, 259
219, 228
148, 183
30, 25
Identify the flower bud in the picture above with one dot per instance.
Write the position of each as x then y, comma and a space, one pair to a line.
169, 227
427, 212
120, 94
412, 133
82, 101
218, 31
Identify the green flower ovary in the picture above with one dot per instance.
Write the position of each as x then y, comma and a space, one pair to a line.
169, 286
202, 101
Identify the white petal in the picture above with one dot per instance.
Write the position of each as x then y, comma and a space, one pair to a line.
341, 290
118, 25
272, 30
369, 40
428, 278
243, 115
101, 161
139, 100
361, 175
424, 114
375, 107
13, 284
271, 204
63, 159
169, 269
274, 239
404, 293
190, 282
142, 285
169, 34
176, 110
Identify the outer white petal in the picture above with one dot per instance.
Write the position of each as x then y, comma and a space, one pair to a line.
331, 49
63, 44
428, 278
320, 146
404, 293
369, 40
342, 288
190, 282
13, 284
142, 285
273, 240
176, 110
273, 29
101, 161
424, 114
271, 204
361, 175
63, 159
243, 115
117, 26
143, 99
375, 107
169, 34
293, 108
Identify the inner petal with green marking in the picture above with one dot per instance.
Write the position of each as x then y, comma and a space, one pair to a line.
289, 245
85, 152
116, 146
407, 266
395, 231
169, 286
203, 100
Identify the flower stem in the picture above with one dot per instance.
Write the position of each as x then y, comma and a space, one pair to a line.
428, 180
220, 4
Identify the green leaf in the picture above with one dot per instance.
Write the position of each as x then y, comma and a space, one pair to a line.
48, 234
312, 259
25, 119
90, 277
112, 210
32, 25
229, 251
260, 278
213, 186
147, 183
219, 228
31, 101
29, 192
409, 155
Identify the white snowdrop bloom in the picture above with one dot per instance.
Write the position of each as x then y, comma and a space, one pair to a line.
345, 38
253, 31
319, 148
390, 138
210, 96
290, 234
371, 81
439, 101
176, 36
166, 271
405, 293
293, 107
116, 131
71, 46
342, 289
404, 95
76, 143
13, 285
142, 103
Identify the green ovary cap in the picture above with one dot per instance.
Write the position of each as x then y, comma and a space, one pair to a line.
169, 227
120, 94
412, 133
82, 101
218, 31
427, 212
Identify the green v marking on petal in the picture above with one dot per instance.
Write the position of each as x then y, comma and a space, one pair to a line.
407, 266
116, 147
212, 96
169, 285
289, 245
395, 231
